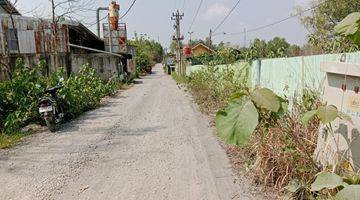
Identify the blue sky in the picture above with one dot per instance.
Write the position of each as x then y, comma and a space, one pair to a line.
153, 17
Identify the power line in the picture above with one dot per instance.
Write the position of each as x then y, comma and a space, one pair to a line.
94, 23
183, 6
225, 18
195, 16
128, 10
276, 22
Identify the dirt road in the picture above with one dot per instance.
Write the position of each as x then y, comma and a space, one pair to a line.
149, 142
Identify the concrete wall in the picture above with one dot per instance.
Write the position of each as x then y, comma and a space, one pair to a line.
288, 76
54, 63
106, 65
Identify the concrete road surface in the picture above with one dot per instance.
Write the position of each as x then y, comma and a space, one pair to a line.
149, 142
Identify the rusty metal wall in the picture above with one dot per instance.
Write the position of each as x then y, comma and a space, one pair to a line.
34, 35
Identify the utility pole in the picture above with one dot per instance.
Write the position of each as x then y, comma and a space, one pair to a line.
190, 34
210, 38
177, 17
245, 37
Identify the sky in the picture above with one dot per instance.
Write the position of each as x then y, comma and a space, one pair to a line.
152, 17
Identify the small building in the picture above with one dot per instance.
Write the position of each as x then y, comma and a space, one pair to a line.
200, 49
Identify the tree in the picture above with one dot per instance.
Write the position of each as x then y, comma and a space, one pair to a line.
322, 20
350, 27
60, 10
148, 52
277, 47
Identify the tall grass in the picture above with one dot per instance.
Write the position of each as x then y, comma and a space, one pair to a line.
281, 149
212, 86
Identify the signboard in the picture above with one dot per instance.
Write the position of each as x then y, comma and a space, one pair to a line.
115, 39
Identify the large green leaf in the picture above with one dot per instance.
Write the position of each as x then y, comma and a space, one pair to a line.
327, 114
265, 98
237, 95
308, 116
345, 117
350, 192
326, 180
350, 27
237, 122
295, 185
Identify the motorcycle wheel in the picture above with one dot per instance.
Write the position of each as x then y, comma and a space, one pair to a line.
50, 121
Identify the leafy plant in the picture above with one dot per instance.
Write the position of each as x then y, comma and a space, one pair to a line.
19, 96
326, 114
280, 147
350, 27
239, 119
147, 52
322, 25
212, 86
344, 188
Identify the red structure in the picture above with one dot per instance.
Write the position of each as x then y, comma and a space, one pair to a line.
187, 51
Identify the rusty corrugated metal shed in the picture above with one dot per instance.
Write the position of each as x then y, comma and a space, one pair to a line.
34, 36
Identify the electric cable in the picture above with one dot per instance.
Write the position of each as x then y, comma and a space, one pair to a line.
128, 10
225, 18
276, 22
196, 14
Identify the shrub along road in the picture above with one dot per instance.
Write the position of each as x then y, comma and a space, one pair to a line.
149, 142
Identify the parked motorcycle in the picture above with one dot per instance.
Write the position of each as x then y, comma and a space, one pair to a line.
50, 107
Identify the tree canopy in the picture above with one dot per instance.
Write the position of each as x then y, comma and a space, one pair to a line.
322, 20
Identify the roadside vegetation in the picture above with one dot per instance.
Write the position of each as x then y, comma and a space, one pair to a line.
322, 38
19, 97
273, 138
148, 53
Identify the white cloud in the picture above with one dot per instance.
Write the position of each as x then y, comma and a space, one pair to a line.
215, 10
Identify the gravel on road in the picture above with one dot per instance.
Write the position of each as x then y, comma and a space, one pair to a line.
148, 142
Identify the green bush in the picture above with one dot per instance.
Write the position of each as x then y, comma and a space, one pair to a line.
19, 97
224, 55
212, 86
147, 52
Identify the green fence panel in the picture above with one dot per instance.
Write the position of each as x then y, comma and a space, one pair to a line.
288, 76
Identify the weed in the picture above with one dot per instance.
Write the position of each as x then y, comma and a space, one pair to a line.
8, 140
19, 96
283, 151
179, 79
212, 86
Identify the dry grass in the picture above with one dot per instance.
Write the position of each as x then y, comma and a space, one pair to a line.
280, 150
283, 151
